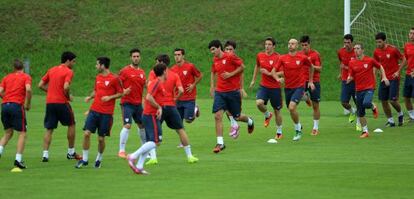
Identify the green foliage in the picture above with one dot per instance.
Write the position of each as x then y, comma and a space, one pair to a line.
41, 30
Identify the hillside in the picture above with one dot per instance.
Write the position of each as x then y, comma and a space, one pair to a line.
41, 31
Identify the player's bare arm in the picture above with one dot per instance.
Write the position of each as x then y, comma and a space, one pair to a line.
28, 100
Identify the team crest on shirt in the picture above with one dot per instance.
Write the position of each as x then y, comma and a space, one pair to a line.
185, 72
224, 61
126, 119
365, 65
388, 56
270, 62
297, 62
106, 83
142, 76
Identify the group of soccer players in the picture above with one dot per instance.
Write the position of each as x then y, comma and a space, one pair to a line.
171, 95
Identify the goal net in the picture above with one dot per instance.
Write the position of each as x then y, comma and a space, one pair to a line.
394, 17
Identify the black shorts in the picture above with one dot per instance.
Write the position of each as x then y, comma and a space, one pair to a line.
99, 121
13, 116
171, 116
58, 113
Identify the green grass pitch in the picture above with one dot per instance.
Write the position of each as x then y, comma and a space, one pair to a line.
334, 164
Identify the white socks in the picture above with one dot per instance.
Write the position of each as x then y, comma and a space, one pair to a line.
316, 124
85, 155
46, 154
249, 121
143, 149
220, 140
411, 114
267, 114
71, 151
187, 150
18, 157
153, 154
298, 127
365, 128
1, 149
99, 157
233, 122
391, 120
123, 137
279, 129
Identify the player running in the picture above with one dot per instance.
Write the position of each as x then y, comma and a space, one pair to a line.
269, 89
361, 70
16, 91
293, 69
389, 56
315, 94
226, 69
107, 90
56, 83
132, 77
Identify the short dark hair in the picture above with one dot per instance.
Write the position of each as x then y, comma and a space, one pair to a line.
305, 39
17, 64
349, 37
134, 50
104, 61
381, 35
412, 28
67, 56
164, 58
180, 49
271, 39
360, 44
215, 43
230, 43
159, 69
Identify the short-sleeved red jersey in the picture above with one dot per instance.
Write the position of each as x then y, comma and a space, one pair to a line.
227, 63
315, 59
344, 57
187, 73
268, 62
156, 89
388, 58
133, 78
170, 84
14, 85
294, 67
56, 77
409, 55
362, 72
105, 85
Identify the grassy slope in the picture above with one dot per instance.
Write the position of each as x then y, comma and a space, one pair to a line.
42, 30
335, 164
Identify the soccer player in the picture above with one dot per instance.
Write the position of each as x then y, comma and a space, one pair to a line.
151, 119
293, 69
16, 91
315, 94
190, 76
132, 76
107, 90
226, 68
269, 89
389, 56
170, 113
56, 83
230, 47
345, 54
361, 71
409, 77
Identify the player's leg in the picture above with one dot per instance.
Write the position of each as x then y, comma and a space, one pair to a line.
362, 103
234, 103
294, 115
262, 98
91, 124
104, 129
7, 120
127, 111
408, 94
8, 134
188, 111
348, 91
137, 116
20, 124
50, 123
219, 105
67, 118
315, 97
277, 103
394, 100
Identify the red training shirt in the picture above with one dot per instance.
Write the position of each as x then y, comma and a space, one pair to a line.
362, 72
14, 85
268, 62
170, 84
294, 67
315, 59
187, 74
344, 57
105, 85
156, 89
133, 78
56, 77
388, 57
227, 63
409, 55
